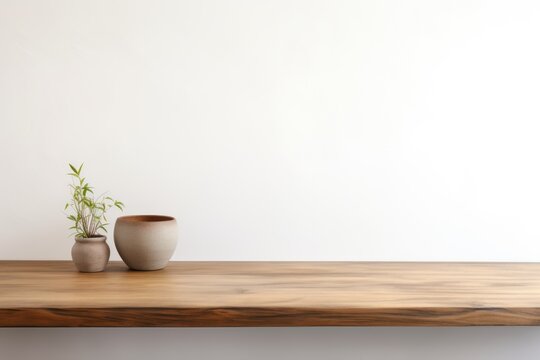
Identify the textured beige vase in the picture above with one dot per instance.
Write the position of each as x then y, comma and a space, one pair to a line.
146, 242
90, 254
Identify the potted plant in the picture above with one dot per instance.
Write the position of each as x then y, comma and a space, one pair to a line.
90, 252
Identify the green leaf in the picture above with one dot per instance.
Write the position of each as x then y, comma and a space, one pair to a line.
80, 168
87, 202
67, 205
74, 169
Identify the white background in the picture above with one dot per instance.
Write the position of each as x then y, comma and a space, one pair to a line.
277, 130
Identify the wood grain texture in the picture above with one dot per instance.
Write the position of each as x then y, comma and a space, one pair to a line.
53, 293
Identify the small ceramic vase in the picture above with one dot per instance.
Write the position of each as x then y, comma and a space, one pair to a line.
90, 254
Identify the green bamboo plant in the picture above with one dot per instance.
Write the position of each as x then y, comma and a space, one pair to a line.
87, 211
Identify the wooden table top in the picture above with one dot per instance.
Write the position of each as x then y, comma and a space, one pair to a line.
53, 293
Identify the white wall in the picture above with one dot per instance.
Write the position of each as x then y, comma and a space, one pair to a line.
272, 344
342, 130
280, 130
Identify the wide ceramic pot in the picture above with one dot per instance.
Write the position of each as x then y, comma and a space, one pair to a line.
91, 254
146, 242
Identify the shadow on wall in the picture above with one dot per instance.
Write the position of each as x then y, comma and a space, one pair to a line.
493, 343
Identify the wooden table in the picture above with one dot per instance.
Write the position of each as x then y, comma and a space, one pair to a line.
53, 293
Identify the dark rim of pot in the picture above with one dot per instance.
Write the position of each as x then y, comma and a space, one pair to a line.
146, 218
